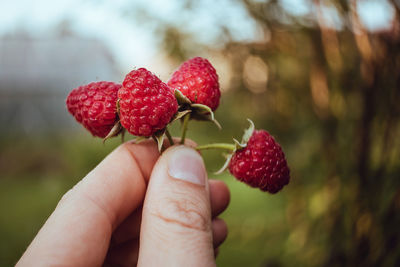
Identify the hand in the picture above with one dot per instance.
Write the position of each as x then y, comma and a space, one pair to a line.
136, 207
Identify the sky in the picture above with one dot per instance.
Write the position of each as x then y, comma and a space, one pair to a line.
117, 23
133, 39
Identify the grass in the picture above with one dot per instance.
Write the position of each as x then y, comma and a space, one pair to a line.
254, 219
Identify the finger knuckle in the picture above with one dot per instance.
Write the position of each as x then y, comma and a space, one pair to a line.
184, 212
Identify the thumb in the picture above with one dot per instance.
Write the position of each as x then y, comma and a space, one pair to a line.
176, 221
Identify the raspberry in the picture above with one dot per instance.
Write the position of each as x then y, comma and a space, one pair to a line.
261, 163
146, 103
94, 106
197, 80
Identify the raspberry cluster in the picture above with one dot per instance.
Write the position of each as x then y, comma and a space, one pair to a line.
144, 106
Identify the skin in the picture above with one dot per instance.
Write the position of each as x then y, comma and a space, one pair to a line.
130, 211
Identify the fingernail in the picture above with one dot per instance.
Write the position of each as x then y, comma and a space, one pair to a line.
187, 165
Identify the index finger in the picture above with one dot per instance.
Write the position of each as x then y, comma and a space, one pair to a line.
78, 232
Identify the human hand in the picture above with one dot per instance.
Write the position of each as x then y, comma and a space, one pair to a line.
136, 207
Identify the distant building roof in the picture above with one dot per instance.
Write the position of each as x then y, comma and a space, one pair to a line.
36, 75
52, 64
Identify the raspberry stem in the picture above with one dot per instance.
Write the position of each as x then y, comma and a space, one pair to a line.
167, 133
184, 127
230, 147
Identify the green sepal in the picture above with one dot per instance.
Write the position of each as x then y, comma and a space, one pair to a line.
204, 113
159, 137
198, 111
118, 106
245, 138
226, 164
123, 135
232, 147
238, 145
248, 132
181, 98
228, 157
202, 109
115, 130
180, 115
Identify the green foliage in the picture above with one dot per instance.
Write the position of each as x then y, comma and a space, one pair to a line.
330, 97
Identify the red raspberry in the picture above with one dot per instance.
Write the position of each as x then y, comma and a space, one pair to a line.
261, 163
94, 106
197, 80
146, 103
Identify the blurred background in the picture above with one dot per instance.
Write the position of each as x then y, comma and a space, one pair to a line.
322, 76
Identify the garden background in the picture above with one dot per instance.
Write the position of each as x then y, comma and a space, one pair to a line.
323, 77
